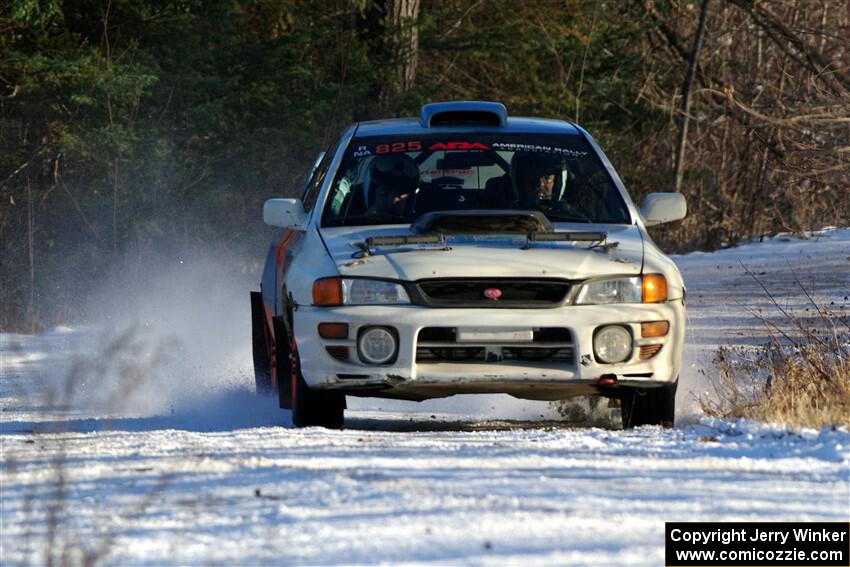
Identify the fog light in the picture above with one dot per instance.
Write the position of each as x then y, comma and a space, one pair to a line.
377, 345
612, 344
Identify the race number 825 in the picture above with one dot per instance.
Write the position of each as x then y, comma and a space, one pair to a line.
398, 147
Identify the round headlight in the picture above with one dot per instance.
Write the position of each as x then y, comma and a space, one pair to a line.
377, 345
612, 344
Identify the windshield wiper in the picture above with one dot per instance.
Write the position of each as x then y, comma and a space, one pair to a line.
568, 218
370, 220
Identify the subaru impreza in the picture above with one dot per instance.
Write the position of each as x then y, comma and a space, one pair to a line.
468, 251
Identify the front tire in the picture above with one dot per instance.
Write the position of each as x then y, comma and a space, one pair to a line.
313, 407
649, 406
309, 407
280, 362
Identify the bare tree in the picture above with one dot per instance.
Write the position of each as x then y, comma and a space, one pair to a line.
403, 39
686, 99
765, 119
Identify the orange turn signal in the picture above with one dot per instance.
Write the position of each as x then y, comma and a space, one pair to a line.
333, 330
327, 291
654, 288
654, 329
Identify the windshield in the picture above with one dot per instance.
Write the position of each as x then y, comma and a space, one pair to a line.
393, 181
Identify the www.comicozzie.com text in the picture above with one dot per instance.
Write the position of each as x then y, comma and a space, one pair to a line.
743, 534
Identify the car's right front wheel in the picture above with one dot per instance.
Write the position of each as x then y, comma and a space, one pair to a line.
649, 406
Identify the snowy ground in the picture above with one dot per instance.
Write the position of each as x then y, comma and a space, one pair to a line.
158, 453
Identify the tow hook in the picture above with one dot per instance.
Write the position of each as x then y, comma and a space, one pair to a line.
493, 354
607, 380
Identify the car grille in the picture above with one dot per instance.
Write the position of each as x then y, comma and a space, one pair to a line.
512, 292
549, 345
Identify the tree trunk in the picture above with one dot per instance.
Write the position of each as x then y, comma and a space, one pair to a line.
402, 16
401, 40
686, 98
32, 319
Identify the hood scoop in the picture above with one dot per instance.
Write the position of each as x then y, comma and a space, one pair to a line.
481, 222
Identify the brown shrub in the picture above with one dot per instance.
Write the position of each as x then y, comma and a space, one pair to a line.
800, 377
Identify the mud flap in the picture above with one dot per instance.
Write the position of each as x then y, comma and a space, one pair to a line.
260, 345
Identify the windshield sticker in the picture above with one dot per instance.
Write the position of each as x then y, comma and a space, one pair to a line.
396, 147
458, 146
362, 151
446, 172
511, 147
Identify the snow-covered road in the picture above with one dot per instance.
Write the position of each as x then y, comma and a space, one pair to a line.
200, 471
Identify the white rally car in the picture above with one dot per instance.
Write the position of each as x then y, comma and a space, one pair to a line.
466, 251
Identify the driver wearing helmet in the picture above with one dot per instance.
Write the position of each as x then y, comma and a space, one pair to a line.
535, 176
392, 183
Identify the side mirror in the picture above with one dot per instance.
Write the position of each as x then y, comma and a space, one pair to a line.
284, 213
659, 208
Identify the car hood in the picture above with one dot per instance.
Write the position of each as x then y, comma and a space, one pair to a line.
467, 256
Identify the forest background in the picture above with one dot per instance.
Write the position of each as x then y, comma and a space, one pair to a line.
137, 133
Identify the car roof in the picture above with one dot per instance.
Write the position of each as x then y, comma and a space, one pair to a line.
513, 125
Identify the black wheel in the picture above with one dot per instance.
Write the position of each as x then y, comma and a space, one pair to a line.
281, 363
260, 343
649, 406
313, 407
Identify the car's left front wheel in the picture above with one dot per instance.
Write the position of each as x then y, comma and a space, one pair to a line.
313, 407
649, 406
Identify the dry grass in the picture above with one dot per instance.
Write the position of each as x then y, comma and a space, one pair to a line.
800, 377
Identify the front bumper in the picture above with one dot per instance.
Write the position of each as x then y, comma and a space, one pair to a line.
533, 379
